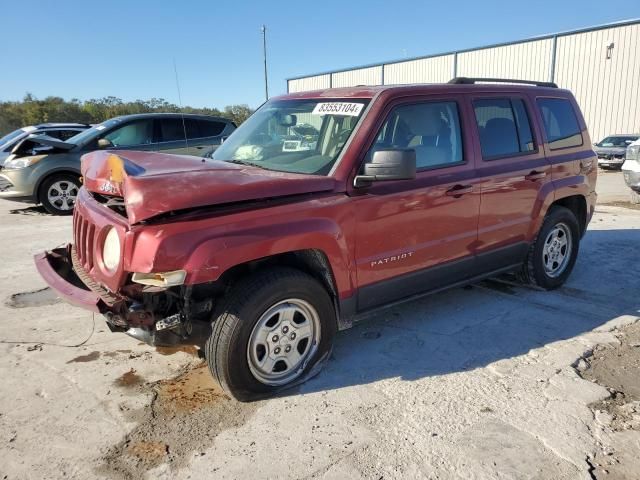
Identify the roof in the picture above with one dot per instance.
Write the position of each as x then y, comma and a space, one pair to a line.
603, 26
61, 124
171, 115
412, 89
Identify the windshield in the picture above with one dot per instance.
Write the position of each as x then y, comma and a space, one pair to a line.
15, 134
90, 133
618, 141
297, 136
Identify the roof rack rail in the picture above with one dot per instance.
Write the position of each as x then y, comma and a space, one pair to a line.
470, 80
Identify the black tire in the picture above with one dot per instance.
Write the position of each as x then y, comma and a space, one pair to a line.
533, 269
226, 349
54, 208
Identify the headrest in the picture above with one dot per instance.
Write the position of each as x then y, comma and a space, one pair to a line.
424, 120
503, 124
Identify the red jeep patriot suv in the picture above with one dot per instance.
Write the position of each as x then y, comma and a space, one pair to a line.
324, 205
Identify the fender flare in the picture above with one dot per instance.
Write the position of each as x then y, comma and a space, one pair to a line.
550, 193
210, 259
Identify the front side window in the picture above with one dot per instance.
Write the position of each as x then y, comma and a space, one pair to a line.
503, 127
560, 123
431, 129
269, 138
139, 132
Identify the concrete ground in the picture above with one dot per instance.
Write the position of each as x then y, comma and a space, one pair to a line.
490, 381
611, 187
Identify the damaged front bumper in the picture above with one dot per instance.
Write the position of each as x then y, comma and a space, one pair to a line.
62, 271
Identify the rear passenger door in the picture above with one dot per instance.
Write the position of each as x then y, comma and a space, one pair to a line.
201, 135
513, 171
205, 135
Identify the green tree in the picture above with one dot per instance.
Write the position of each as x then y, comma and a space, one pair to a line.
31, 111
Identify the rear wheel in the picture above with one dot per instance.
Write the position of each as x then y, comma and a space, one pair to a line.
634, 197
58, 193
553, 254
272, 330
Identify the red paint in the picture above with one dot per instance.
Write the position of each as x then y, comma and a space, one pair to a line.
368, 235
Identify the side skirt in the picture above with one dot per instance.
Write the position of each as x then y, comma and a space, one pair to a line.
349, 315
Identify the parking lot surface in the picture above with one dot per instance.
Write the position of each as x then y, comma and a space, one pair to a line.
490, 381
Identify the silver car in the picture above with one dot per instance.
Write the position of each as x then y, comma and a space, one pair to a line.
46, 170
62, 131
612, 150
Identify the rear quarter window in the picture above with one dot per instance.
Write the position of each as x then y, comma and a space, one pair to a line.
560, 123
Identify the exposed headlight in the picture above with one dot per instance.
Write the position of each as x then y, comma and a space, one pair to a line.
22, 162
111, 250
165, 279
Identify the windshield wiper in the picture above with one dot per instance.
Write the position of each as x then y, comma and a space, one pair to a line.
242, 162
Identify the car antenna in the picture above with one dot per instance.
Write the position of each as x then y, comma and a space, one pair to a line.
184, 128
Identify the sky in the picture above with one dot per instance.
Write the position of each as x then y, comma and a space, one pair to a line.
127, 49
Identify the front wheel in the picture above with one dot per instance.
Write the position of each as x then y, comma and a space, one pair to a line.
58, 194
274, 327
553, 253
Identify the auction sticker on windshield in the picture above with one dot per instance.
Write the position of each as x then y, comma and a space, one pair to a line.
338, 108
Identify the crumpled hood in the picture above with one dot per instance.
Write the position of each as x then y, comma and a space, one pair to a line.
156, 183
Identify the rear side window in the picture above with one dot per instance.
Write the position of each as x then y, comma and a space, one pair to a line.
171, 130
560, 123
431, 129
203, 128
210, 129
503, 127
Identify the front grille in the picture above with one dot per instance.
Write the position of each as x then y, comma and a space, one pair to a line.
107, 297
83, 237
5, 184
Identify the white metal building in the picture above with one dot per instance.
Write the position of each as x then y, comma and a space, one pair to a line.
600, 65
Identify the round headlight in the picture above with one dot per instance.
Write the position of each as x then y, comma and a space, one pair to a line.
111, 250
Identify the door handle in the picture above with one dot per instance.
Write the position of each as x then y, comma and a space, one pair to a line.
533, 176
458, 190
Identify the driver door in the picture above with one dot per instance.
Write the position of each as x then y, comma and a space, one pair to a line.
418, 235
134, 135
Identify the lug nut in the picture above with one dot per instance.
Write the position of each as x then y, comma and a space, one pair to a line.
277, 350
285, 329
287, 349
293, 335
275, 338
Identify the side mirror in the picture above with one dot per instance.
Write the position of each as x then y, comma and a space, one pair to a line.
392, 164
104, 143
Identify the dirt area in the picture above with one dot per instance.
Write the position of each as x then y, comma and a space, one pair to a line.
185, 415
491, 381
617, 367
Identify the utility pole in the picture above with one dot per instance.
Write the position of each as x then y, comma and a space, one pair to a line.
264, 54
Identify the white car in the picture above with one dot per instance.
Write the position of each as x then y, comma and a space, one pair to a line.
631, 170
